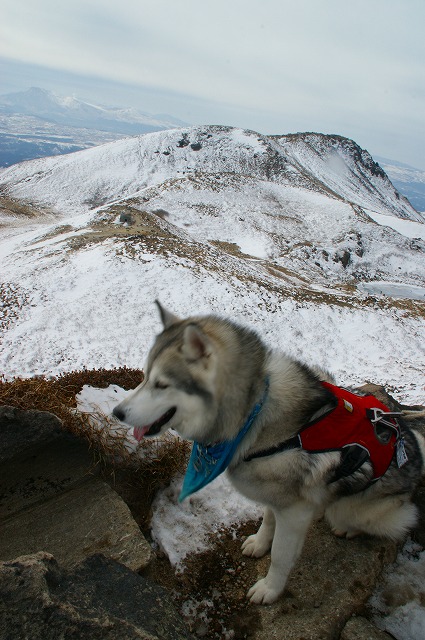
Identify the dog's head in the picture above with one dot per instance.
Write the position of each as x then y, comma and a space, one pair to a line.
178, 389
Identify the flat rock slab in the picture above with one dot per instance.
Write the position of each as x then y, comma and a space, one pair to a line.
359, 628
52, 500
332, 581
88, 519
98, 599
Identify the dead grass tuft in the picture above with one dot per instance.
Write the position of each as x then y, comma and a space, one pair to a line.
57, 394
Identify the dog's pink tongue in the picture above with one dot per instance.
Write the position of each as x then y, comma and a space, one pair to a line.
139, 432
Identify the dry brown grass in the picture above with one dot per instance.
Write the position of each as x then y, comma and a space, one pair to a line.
57, 395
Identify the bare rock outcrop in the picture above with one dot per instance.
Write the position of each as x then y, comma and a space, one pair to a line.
98, 599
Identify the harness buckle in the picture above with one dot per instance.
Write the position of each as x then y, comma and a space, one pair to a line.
378, 415
383, 425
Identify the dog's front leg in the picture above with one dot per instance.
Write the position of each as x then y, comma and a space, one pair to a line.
292, 524
259, 543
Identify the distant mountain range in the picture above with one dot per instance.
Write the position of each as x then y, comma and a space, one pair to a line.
408, 180
38, 123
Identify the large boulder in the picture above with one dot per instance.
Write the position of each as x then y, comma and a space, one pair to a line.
99, 599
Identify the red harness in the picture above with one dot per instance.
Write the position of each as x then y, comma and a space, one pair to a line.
350, 423
360, 427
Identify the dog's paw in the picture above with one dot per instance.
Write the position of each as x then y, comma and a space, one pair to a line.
255, 547
346, 533
262, 593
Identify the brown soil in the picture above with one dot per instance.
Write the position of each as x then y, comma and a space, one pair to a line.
211, 589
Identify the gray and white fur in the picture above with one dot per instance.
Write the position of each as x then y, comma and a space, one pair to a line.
203, 377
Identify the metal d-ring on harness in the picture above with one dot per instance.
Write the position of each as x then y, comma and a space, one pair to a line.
383, 429
377, 418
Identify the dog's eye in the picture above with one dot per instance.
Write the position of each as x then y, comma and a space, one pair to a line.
160, 385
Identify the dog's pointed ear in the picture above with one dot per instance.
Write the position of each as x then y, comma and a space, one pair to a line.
196, 345
167, 317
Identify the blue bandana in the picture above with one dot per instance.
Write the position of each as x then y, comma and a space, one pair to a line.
206, 462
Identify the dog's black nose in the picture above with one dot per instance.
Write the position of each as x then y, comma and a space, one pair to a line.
119, 413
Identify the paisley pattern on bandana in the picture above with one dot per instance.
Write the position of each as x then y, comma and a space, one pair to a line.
206, 462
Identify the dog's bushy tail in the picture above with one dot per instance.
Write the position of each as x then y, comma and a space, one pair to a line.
412, 414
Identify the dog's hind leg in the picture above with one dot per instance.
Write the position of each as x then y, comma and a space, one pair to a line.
292, 524
390, 517
258, 544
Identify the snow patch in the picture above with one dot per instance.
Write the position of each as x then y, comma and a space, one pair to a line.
183, 528
408, 228
399, 601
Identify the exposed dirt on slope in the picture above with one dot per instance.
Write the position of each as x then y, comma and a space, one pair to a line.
150, 232
21, 209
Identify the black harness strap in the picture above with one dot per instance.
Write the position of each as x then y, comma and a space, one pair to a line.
352, 456
291, 443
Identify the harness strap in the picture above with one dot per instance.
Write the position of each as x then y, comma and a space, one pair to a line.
291, 443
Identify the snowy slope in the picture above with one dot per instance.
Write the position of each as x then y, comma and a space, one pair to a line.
347, 170
241, 230
126, 167
84, 297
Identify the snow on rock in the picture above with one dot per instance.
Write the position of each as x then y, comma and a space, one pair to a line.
398, 601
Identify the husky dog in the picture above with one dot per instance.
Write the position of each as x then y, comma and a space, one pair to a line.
218, 385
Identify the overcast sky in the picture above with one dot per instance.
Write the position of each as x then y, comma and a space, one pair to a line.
352, 67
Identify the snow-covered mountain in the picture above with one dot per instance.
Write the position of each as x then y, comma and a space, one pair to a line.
345, 169
327, 264
70, 111
330, 165
37, 123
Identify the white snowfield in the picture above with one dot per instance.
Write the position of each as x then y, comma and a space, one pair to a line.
93, 305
